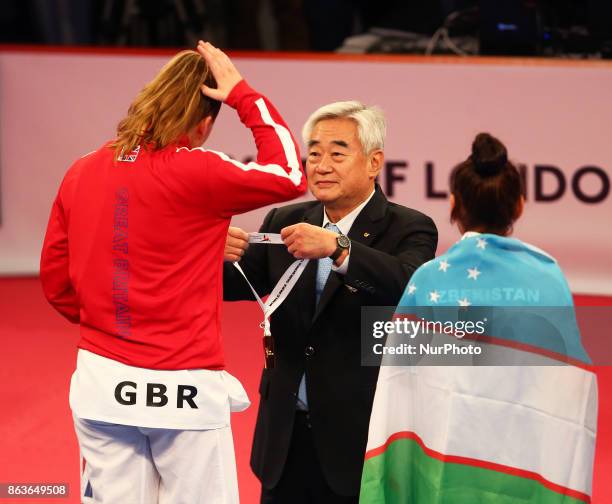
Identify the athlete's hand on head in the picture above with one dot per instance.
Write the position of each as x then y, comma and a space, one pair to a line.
222, 68
236, 243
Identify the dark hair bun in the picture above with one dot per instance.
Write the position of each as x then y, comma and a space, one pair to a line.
488, 155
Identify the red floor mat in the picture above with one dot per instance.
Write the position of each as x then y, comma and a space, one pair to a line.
37, 443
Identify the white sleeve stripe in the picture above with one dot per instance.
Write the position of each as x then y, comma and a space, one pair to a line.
283, 135
272, 169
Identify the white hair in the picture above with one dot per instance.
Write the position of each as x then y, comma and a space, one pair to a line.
371, 122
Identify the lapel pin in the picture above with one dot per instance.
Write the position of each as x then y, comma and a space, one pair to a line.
366, 234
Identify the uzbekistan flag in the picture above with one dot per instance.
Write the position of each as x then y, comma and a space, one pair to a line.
488, 434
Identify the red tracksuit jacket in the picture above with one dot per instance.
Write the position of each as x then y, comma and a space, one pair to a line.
134, 248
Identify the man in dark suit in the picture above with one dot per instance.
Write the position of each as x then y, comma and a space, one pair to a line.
315, 403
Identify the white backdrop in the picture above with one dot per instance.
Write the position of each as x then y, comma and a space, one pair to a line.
55, 107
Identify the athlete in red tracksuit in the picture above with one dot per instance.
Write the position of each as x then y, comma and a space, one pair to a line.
134, 254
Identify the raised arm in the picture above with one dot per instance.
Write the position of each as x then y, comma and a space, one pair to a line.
233, 187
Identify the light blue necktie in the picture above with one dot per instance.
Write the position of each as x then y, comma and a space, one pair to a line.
324, 267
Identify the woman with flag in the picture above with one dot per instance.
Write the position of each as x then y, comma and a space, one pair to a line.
492, 433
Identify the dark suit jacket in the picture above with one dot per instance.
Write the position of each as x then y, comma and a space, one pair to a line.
388, 242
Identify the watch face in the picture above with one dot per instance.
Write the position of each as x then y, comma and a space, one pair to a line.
343, 241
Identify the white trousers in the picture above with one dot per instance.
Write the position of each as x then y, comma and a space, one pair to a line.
123, 464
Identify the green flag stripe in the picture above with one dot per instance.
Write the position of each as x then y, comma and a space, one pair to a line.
407, 472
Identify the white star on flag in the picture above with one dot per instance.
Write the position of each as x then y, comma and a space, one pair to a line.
464, 302
443, 266
473, 273
411, 289
482, 243
434, 296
